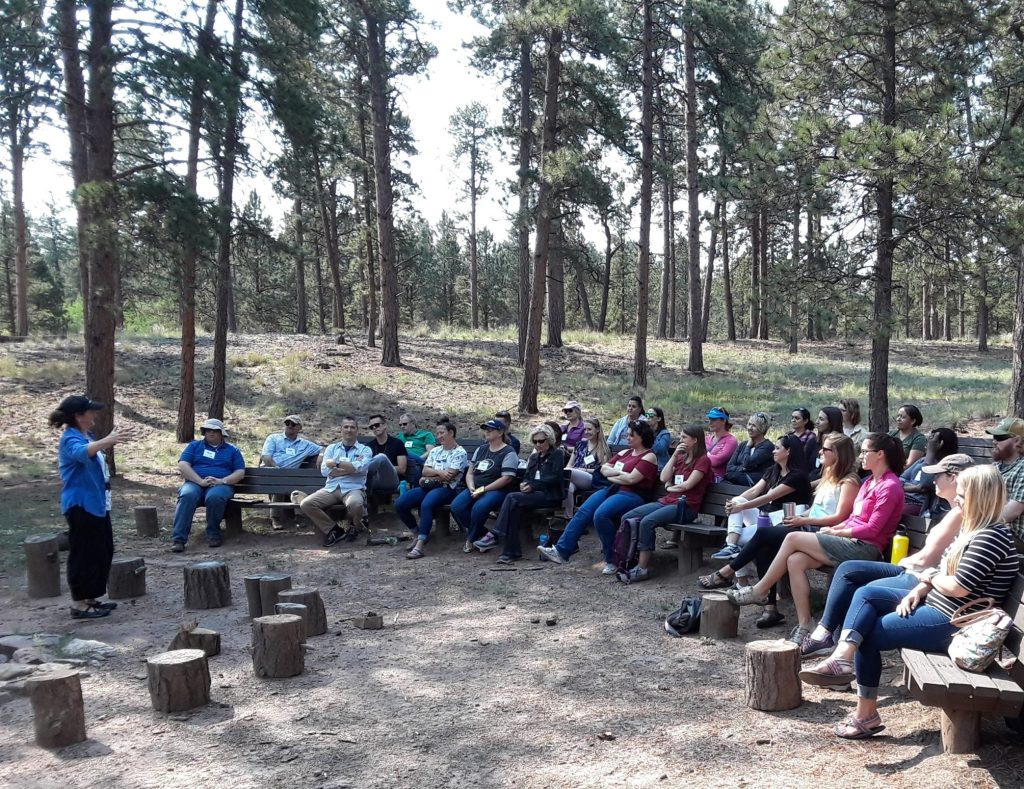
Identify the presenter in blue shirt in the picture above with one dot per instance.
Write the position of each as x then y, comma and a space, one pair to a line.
85, 502
210, 467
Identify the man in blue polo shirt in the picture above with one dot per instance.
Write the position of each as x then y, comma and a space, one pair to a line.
210, 467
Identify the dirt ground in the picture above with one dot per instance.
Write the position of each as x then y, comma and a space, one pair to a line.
460, 688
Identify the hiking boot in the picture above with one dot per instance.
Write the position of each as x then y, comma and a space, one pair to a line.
177, 547
334, 536
798, 634
215, 542
817, 647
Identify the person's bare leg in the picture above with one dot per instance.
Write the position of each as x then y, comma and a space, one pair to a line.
806, 542
644, 559
798, 565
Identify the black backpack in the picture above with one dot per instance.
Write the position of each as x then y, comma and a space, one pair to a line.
686, 618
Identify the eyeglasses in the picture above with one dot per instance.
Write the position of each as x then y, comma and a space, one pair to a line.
827, 449
538, 441
376, 425
568, 410
866, 451
290, 424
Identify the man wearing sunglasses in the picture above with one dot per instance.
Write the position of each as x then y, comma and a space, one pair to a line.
417, 443
390, 459
1008, 455
287, 450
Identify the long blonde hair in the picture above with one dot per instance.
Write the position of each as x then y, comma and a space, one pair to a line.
601, 449
846, 459
984, 496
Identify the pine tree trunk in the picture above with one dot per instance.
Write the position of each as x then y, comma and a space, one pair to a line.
225, 210
606, 280
301, 302
17, 151
730, 314
666, 222
755, 274
523, 216
190, 254
318, 273
982, 307
556, 283
643, 265
8, 279
371, 272
581, 289
710, 276
762, 282
545, 217
878, 376
378, 71
794, 299
696, 362
474, 285
1016, 402
673, 272
75, 113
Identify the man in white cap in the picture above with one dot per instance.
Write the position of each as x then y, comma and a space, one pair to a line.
1008, 455
210, 467
288, 449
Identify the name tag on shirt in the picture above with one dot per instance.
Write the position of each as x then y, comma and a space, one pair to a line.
209, 454
536, 475
408, 444
680, 479
589, 459
619, 465
565, 437
290, 451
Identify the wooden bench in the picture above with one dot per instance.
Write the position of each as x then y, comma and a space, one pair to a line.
979, 449
963, 696
695, 537
267, 482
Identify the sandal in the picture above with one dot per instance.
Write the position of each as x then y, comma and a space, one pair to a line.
745, 595
415, 553
853, 728
92, 612
714, 581
832, 671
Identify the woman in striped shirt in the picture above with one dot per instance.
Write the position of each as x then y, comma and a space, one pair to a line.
982, 562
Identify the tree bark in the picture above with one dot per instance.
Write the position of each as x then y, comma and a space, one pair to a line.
326, 204
42, 565
146, 522
1016, 402
58, 710
581, 289
545, 211
9, 287
207, 585
646, 188
606, 280
666, 220
127, 577
730, 313
377, 67
371, 273
878, 376
17, 151
719, 618
982, 307
178, 680
794, 299
556, 283
755, 273
762, 280
696, 362
301, 303
277, 645
225, 212
709, 277
474, 285
191, 637
523, 215
190, 253
772, 675
316, 614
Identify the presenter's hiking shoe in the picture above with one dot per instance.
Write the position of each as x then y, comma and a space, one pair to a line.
91, 612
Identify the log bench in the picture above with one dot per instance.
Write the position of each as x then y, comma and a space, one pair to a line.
695, 537
978, 448
963, 696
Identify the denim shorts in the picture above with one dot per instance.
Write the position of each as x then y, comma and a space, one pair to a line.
845, 549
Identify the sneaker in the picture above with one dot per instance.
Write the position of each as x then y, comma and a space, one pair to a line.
485, 543
727, 552
506, 559
550, 553
609, 569
468, 547
177, 547
334, 536
817, 647
639, 573
215, 542
798, 634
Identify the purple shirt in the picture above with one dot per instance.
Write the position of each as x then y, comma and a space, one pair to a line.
572, 435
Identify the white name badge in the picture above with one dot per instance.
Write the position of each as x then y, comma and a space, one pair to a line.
408, 444
536, 475
589, 459
290, 451
680, 479
209, 453
619, 465
565, 437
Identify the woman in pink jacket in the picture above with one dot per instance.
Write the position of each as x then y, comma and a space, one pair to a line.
864, 535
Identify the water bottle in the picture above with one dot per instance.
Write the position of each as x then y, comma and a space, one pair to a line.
403, 486
900, 546
764, 520
544, 541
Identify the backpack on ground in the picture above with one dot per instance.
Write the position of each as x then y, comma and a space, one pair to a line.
625, 549
686, 618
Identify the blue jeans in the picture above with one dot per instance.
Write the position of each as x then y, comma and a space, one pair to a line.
427, 501
851, 576
656, 514
873, 624
471, 514
413, 469
604, 511
190, 496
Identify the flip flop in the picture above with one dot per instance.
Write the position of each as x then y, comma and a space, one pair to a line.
710, 582
851, 728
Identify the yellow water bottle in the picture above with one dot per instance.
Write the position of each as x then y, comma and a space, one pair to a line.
900, 546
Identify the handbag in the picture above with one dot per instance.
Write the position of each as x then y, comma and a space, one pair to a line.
981, 635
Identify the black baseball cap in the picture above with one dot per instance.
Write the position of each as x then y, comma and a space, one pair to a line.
79, 404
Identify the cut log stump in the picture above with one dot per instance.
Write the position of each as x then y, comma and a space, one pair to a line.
146, 522
207, 585
178, 680
252, 595
961, 730
772, 671
296, 609
271, 584
192, 637
718, 617
58, 712
316, 616
277, 649
127, 578
42, 561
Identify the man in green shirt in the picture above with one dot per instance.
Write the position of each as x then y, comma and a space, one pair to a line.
417, 444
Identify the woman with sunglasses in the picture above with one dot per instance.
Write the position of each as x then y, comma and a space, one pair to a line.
631, 475
572, 430
833, 503
864, 535
981, 562
851, 576
541, 487
753, 457
587, 457
721, 443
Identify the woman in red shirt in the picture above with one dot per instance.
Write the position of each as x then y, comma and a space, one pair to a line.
631, 475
